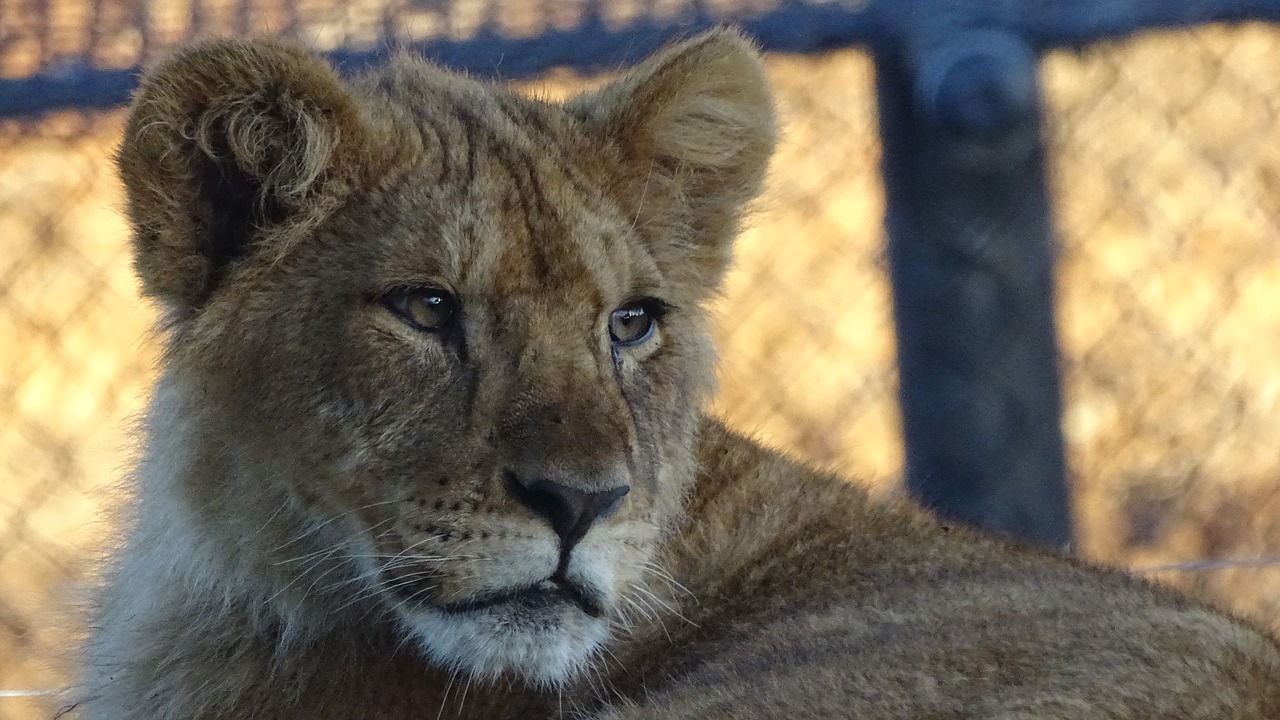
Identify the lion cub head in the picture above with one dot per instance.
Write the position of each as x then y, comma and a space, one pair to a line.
435, 351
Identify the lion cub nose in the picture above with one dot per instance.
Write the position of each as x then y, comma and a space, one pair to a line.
570, 511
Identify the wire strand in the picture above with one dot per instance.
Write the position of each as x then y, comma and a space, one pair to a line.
1210, 565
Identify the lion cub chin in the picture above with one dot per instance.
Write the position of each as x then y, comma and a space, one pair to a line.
543, 649
427, 438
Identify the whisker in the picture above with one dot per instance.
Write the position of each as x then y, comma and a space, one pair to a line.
662, 603
662, 574
658, 620
316, 528
316, 563
444, 699
462, 700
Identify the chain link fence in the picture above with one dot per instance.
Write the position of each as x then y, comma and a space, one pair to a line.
1167, 189
1165, 164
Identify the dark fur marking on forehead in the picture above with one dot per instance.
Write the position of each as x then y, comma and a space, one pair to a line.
457, 149
471, 131
527, 120
555, 257
540, 149
430, 131
531, 121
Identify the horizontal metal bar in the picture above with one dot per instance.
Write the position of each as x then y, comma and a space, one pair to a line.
74, 87
1064, 23
591, 46
796, 27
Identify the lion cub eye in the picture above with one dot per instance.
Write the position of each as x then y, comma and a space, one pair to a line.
633, 323
423, 308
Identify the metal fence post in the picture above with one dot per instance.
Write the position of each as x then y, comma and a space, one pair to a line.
971, 261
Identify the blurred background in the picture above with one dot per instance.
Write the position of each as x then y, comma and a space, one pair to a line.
1163, 155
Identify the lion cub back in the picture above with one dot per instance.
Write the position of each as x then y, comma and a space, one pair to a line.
820, 602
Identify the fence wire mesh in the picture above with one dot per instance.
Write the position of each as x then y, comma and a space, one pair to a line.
1167, 185
1166, 172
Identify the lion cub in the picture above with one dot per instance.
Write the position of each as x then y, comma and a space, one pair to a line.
428, 442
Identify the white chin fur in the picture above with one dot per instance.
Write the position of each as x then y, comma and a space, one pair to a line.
544, 651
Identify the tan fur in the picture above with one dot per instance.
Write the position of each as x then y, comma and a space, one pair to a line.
325, 488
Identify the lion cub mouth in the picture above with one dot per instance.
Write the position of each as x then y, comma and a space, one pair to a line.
553, 591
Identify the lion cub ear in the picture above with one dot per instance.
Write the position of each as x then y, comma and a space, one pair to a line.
698, 119
229, 145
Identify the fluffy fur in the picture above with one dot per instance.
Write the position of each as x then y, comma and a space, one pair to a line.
329, 521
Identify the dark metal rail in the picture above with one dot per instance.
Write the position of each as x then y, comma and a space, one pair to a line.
796, 26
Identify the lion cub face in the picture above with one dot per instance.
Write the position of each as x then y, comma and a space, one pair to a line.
443, 339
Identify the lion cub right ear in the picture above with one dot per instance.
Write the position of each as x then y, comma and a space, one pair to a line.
230, 146
695, 122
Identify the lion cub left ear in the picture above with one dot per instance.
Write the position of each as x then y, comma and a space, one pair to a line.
231, 147
695, 123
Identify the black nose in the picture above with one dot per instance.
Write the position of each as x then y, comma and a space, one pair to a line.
570, 511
